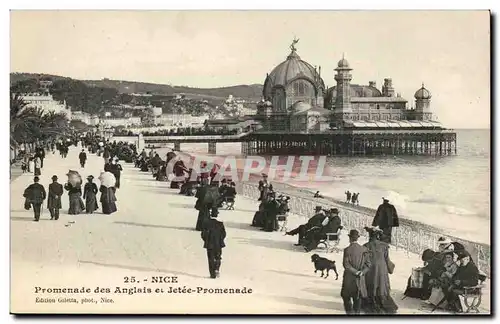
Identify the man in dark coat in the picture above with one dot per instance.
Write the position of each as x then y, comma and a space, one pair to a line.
356, 264
386, 218
41, 154
54, 198
35, 195
316, 220
83, 158
213, 236
263, 184
208, 197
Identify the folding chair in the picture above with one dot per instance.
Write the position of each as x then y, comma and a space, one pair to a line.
331, 241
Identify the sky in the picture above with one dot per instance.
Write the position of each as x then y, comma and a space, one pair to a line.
448, 51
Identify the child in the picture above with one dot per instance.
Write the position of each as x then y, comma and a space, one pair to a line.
24, 166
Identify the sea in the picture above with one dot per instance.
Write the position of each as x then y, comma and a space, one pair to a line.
451, 193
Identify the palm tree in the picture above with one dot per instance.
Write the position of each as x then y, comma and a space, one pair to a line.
30, 124
53, 124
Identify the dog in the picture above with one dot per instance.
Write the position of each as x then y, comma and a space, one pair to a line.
323, 264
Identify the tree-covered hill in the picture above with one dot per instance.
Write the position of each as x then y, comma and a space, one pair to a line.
249, 92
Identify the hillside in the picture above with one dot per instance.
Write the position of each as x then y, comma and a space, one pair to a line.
251, 92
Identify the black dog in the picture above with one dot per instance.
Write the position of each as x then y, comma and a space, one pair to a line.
323, 264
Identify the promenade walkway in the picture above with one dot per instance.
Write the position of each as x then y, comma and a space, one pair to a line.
152, 234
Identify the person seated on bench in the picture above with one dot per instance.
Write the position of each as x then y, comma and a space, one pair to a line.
228, 193
283, 208
316, 220
190, 183
418, 285
467, 275
330, 224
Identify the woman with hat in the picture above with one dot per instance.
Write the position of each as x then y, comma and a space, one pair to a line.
378, 284
90, 195
54, 198
74, 188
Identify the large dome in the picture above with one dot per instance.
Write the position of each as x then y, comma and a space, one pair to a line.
291, 69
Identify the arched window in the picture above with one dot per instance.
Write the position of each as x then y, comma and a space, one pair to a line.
302, 88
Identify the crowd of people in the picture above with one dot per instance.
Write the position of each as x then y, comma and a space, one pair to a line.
191, 131
366, 286
444, 276
211, 190
35, 194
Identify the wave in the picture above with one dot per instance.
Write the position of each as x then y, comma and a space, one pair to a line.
427, 200
454, 210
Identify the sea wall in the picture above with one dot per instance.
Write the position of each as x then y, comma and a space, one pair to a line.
410, 236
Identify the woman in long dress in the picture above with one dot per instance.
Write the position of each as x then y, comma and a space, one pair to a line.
38, 165
75, 200
108, 200
116, 169
378, 285
90, 195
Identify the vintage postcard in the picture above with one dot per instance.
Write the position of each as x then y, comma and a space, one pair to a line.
250, 162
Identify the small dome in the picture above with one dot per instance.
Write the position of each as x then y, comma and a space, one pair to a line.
343, 63
423, 93
300, 106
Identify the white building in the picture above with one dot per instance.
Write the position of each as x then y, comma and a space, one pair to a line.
46, 103
115, 122
184, 120
86, 118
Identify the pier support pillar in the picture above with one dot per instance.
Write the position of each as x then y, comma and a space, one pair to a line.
212, 148
177, 146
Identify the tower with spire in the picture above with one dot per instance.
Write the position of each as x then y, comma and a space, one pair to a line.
423, 104
343, 98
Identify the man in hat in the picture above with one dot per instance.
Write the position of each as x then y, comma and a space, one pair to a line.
316, 220
263, 186
386, 218
356, 264
54, 199
213, 236
35, 194
330, 224
83, 158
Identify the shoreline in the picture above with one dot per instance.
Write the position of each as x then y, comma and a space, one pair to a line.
307, 193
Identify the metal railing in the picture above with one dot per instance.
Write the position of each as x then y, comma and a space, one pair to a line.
410, 236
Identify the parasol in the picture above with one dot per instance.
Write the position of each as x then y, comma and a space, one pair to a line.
74, 178
107, 179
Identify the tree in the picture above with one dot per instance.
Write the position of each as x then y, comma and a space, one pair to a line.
31, 124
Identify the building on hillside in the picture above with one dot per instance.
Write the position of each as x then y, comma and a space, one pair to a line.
92, 120
242, 124
46, 102
184, 120
115, 122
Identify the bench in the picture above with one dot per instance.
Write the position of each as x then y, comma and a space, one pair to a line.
331, 241
282, 222
228, 203
471, 297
